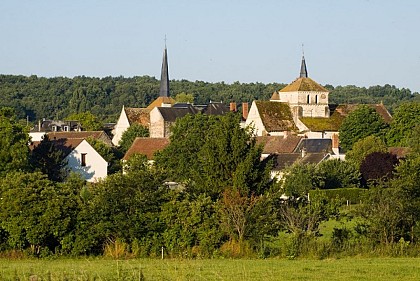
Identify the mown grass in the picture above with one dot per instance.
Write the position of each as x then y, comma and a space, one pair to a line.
214, 269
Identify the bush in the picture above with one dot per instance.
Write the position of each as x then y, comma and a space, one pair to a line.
353, 195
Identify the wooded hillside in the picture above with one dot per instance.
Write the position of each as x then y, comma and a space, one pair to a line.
58, 97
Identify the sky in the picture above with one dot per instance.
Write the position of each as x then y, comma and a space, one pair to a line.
358, 42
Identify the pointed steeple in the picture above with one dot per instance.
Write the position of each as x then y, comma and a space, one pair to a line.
303, 70
164, 76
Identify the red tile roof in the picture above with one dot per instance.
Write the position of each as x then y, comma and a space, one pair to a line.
278, 144
146, 146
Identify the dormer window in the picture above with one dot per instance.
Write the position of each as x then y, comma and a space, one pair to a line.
54, 128
66, 128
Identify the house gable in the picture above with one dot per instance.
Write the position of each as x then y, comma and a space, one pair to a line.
87, 162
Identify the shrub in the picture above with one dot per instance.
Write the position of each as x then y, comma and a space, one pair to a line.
353, 195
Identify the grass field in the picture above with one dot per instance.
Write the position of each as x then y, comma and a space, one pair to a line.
214, 269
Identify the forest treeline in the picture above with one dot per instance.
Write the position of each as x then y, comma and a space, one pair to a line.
34, 97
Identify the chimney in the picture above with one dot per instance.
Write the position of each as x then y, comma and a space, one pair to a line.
245, 110
335, 144
232, 106
39, 125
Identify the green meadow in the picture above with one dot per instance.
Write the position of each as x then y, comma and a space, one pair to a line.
211, 269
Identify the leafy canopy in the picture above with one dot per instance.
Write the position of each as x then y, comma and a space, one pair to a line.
362, 122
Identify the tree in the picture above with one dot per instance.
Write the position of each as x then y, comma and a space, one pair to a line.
406, 117
128, 137
378, 166
123, 206
407, 183
14, 139
88, 121
336, 173
298, 179
384, 212
49, 160
362, 122
36, 213
364, 147
236, 211
191, 225
210, 153
184, 98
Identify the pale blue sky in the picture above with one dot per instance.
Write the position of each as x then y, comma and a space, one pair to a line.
361, 43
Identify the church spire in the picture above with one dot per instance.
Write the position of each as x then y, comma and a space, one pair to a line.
164, 75
303, 70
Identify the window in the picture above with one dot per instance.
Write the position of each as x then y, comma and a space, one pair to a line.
83, 160
307, 99
66, 128
316, 99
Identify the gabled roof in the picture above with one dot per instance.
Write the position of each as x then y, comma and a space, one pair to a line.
160, 101
170, 114
146, 146
313, 158
315, 146
276, 116
283, 160
68, 141
278, 144
303, 84
275, 96
213, 108
216, 109
77, 135
138, 115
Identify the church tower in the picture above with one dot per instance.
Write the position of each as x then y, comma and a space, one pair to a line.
305, 97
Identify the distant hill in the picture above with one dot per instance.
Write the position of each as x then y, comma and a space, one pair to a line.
58, 97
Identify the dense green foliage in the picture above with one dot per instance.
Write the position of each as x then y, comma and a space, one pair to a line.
210, 153
361, 123
364, 147
14, 141
59, 97
406, 117
88, 121
352, 195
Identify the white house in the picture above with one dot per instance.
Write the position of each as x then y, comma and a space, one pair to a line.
86, 161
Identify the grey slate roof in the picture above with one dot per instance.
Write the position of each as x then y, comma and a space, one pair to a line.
170, 114
315, 145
